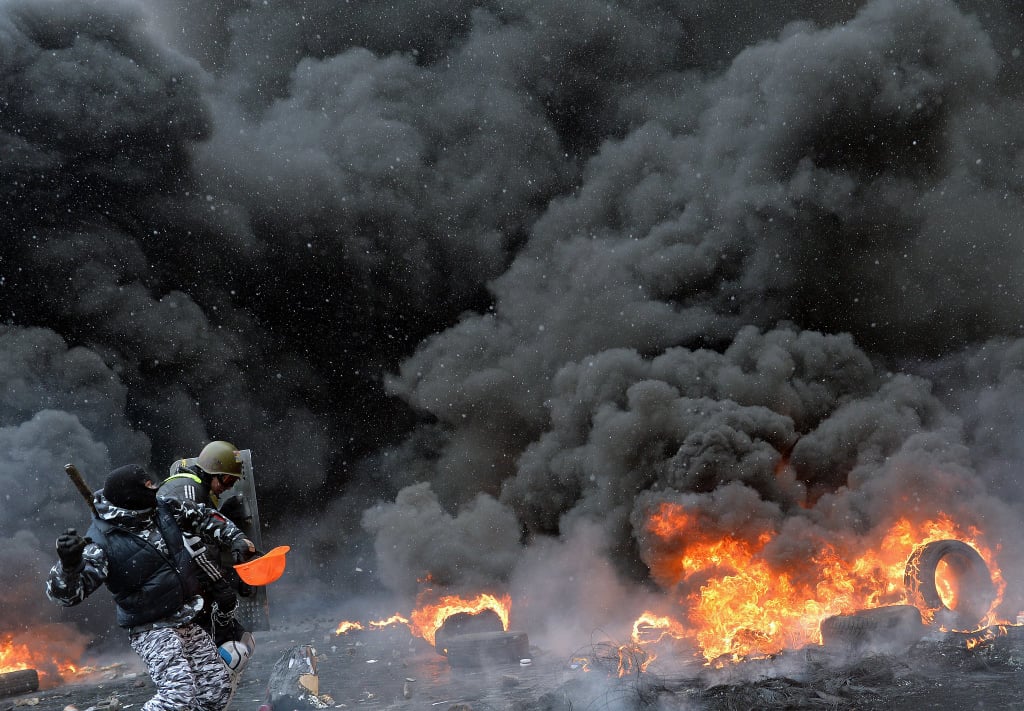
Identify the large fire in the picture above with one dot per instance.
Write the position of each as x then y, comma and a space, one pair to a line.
49, 649
430, 614
737, 604
731, 600
427, 618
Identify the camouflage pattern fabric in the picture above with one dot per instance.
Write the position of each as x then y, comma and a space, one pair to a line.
186, 668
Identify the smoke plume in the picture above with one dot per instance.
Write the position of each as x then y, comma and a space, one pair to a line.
482, 285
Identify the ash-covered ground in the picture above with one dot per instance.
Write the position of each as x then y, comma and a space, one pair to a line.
390, 669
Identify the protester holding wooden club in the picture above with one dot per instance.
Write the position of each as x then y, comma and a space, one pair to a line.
135, 547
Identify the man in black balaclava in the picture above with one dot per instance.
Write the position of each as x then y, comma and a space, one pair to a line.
135, 546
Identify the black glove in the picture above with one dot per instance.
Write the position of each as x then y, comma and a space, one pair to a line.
242, 550
224, 597
69, 549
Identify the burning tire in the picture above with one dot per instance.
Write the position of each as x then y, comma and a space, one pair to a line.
487, 648
19, 682
887, 628
974, 589
464, 623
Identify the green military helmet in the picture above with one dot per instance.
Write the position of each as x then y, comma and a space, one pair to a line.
220, 459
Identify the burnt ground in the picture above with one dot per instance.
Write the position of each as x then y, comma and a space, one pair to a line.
388, 669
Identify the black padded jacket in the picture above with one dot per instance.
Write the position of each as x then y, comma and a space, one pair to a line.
147, 583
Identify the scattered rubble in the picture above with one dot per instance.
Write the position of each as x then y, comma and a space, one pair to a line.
313, 669
294, 682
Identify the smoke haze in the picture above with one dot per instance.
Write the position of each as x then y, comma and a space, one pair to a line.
482, 284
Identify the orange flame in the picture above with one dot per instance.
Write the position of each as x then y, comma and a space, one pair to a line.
740, 602
395, 619
986, 635
633, 659
428, 617
49, 649
346, 626
14, 656
582, 663
661, 625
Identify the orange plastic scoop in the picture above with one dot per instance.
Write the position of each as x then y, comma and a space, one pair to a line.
265, 569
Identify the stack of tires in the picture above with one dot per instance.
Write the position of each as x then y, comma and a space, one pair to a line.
896, 627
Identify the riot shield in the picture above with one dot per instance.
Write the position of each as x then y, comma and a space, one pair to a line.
253, 611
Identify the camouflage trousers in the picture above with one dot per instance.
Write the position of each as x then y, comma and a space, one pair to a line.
186, 668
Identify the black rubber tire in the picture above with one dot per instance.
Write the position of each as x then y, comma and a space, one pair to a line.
893, 625
846, 629
976, 591
19, 682
487, 648
462, 623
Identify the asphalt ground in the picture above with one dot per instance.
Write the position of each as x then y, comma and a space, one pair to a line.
389, 669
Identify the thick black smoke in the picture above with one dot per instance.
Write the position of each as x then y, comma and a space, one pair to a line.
480, 283
727, 298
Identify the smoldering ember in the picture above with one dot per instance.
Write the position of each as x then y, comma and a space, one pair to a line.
674, 347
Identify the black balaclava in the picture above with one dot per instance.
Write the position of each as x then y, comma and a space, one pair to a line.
126, 488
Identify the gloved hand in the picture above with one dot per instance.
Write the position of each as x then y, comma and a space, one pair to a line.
224, 597
242, 550
69, 549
